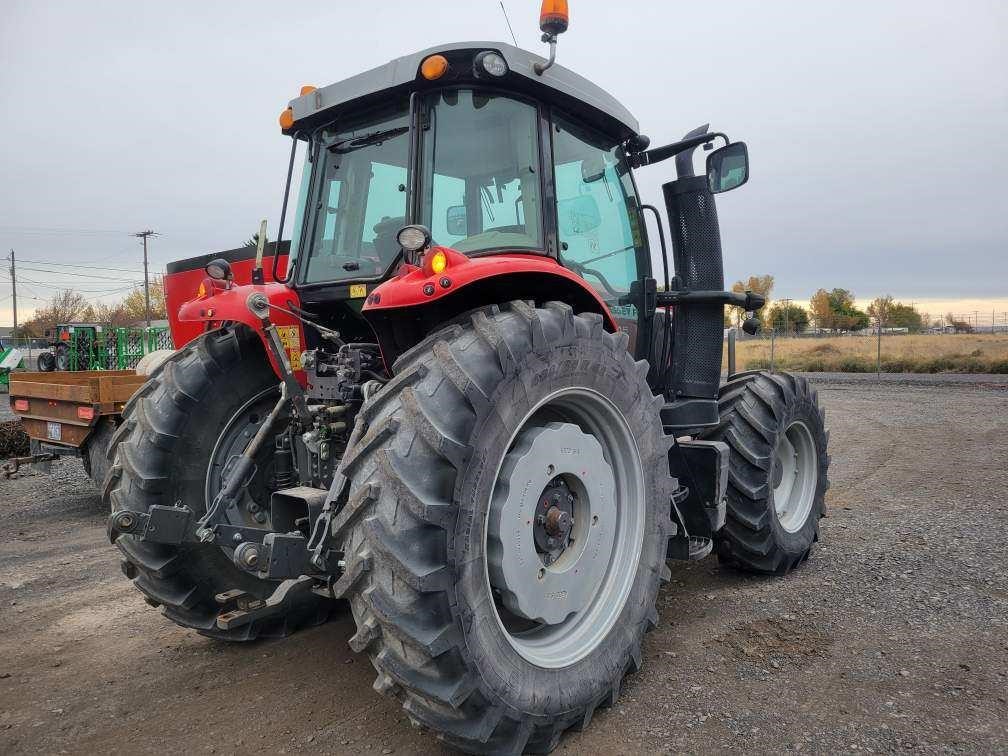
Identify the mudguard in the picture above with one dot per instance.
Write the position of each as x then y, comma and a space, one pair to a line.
220, 306
417, 300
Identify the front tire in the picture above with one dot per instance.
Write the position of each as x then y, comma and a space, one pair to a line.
778, 470
425, 562
164, 452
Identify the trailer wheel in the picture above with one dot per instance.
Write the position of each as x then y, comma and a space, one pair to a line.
166, 451
507, 525
94, 455
778, 471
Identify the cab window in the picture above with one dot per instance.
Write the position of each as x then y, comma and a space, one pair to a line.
598, 218
480, 189
361, 197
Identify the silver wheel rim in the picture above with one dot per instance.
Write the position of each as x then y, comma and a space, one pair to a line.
796, 474
577, 598
237, 433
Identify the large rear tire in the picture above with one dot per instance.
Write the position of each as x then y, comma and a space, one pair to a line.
777, 473
163, 453
445, 463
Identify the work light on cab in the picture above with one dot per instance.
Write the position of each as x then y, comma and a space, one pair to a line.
490, 63
413, 238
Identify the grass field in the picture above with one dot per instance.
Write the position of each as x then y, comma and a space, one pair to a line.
937, 353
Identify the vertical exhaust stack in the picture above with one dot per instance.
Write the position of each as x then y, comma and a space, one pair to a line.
694, 374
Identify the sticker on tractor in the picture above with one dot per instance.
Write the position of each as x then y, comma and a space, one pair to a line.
290, 337
358, 291
54, 431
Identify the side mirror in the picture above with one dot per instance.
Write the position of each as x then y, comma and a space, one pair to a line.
578, 215
456, 222
728, 167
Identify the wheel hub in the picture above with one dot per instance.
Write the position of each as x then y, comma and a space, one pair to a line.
554, 520
552, 523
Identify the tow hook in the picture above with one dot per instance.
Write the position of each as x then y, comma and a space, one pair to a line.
10, 468
247, 608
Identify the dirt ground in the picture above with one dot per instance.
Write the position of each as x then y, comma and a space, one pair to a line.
893, 637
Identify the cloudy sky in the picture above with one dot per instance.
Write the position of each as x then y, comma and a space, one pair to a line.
876, 131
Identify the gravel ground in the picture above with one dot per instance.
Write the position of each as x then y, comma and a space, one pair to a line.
891, 638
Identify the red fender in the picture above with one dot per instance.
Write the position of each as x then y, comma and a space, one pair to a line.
230, 305
414, 286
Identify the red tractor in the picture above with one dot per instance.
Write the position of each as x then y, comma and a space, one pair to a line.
463, 403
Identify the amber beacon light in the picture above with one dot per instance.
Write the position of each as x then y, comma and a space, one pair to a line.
554, 17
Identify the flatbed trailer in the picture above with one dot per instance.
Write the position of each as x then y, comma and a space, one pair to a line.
70, 414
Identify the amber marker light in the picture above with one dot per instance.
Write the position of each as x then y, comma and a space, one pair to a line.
434, 67
287, 119
307, 89
438, 262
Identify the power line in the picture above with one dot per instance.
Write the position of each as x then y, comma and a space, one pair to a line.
80, 265
74, 274
57, 230
63, 287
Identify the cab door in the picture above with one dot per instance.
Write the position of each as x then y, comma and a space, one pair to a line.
599, 224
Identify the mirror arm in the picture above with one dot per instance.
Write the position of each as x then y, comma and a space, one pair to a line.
658, 154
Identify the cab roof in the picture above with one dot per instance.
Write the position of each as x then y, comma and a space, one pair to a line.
557, 85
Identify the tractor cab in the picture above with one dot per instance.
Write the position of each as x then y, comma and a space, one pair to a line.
490, 157
477, 173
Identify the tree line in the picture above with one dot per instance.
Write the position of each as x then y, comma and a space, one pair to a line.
69, 306
833, 311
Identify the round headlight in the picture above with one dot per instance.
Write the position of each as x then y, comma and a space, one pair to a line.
491, 63
219, 269
413, 238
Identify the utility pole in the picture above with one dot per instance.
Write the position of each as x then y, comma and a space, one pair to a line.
13, 280
143, 235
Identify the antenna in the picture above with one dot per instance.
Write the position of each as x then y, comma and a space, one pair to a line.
508, 21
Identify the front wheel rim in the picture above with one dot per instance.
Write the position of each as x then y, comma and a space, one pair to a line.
561, 618
796, 476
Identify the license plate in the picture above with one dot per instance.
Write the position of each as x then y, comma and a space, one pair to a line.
54, 431
358, 291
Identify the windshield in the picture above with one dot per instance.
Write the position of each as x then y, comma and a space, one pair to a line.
480, 180
359, 196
